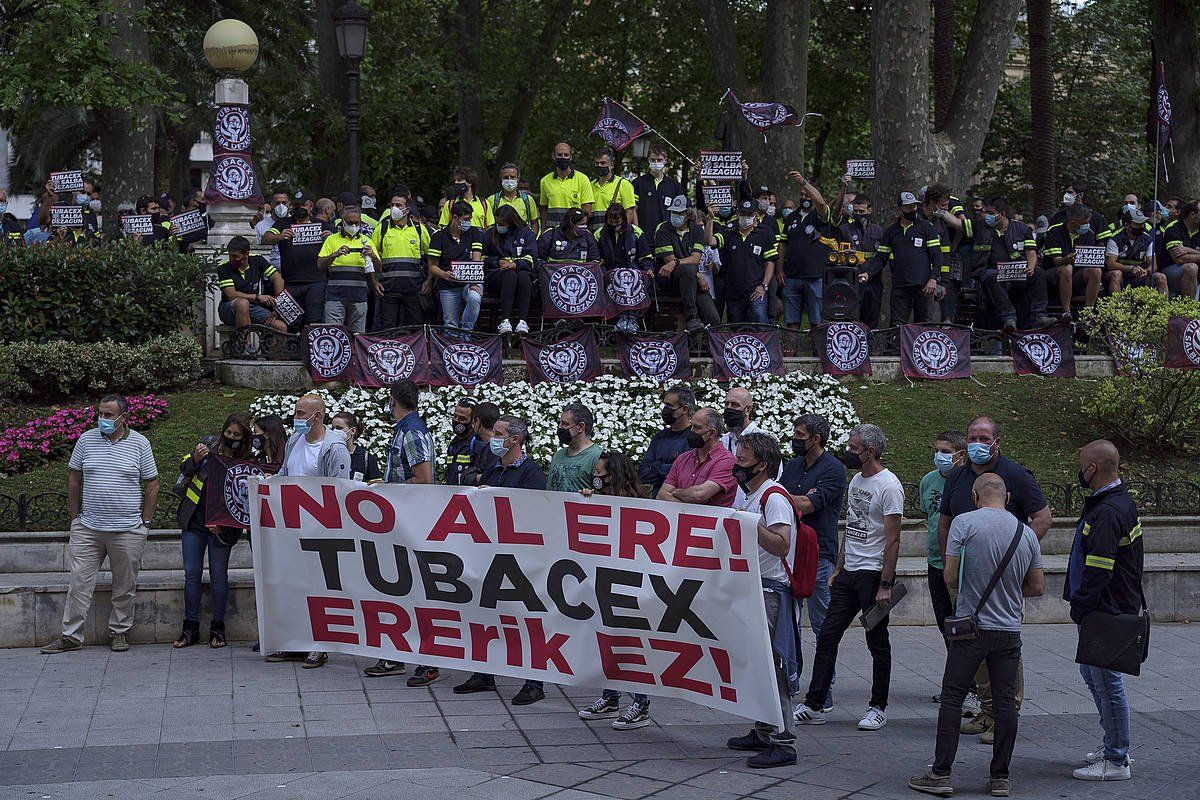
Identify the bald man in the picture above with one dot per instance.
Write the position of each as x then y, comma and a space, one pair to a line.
1104, 577
980, 542
564, 188
314, 450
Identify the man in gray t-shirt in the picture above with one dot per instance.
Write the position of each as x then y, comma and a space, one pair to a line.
977, 543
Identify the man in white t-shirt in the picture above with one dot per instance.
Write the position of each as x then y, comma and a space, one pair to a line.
864, 576
758, 459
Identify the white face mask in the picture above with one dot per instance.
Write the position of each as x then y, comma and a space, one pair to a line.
771, 210
94, 205
509, 184
1069, 199
658, 166
367, 201
281, 210
746, 222
352, 230
399, 213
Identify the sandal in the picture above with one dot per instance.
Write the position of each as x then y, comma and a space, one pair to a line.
189, 636
216, 637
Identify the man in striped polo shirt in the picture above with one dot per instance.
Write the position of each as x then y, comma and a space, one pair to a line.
110, 516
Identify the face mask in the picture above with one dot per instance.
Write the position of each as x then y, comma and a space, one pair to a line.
909, 215
668, 416
800, 446
281, 210
657, 166
1129, 207
1083, 481
989, 220
598, 483
734, 418
501, 229
763, 205
459, 428
257, 442
464, 224
695, 440
806, 204
724, 211
562, 162
677, 220
1085, 228
743, 475
746, 222
352, 230
581, 230
398, 213
787, 212
367, 202
509, 184
771, 210
852, 460
979, 453
496, 445
301, 425
602, 172
107, 426
943, 462
81, 199
564, 436
231, 443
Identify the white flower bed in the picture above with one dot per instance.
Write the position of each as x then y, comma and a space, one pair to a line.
626, 409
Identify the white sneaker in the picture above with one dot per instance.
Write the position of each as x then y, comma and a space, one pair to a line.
522, 326
873, 720
1103, 771
808, 716
504, 327
1097, 755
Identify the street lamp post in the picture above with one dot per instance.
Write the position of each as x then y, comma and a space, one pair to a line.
350, 21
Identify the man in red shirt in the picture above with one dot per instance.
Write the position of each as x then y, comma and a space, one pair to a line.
704, 474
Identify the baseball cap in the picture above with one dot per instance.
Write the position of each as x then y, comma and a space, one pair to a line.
301, 195
907, 199
761, 190
747, 206
1134, 216
679, 203
348, 199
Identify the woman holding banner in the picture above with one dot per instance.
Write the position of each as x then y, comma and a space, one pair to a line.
197, 537
616, 475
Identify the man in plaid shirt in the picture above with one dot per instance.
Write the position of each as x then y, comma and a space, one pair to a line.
410, 459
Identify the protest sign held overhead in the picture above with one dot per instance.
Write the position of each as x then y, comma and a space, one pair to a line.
66, 216
718, 165
863, 168
718, 195
66, 181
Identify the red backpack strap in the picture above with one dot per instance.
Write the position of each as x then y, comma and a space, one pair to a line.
762, 503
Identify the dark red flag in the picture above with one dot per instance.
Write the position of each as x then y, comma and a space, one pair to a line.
383, 360
661, 357
617, 125
842, 348
1183, 343
932, 353
574, 357
232, 175
1049, 351
744, 356
573, 290
226, 488
330, 353
464, 362
627, 290
766, 115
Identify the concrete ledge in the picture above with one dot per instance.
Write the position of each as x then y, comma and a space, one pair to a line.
265, 375
31, 604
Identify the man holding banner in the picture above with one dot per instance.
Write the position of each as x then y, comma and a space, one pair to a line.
240, 279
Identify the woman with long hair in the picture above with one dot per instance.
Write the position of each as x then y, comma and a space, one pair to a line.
509, 261
197, 536
269, 439
616, 475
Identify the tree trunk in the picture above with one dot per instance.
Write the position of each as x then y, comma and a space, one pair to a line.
468, 36
943, 61
530, 79
1040, 165
126, 135
1174, 26
332, 173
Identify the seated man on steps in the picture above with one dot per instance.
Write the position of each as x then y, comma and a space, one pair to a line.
244, 298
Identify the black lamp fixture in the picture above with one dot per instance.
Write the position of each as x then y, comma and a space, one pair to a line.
350, 22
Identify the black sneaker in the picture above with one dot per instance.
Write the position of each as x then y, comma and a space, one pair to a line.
604, 708
751, 741
424, 676
773, 756
315, 659
636, 715
383, 667
528, 695
476, 683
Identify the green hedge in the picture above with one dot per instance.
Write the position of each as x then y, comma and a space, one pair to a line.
52, 371
120, 291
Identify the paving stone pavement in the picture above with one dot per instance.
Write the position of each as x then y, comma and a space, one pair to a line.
198, 723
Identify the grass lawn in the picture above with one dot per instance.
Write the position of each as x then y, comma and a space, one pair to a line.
1040, 426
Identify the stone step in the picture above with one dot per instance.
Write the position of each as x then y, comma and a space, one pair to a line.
31, 603
46, 551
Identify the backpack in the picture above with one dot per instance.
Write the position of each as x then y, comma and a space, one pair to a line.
524, 195
802, 572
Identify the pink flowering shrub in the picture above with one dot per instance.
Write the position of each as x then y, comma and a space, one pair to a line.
24, 447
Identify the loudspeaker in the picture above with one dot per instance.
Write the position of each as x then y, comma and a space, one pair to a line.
840, 300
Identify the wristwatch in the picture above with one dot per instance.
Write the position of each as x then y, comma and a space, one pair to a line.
766, 287
887, 584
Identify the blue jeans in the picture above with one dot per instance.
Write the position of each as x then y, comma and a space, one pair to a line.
460, 307
1108, 690
195, 542
746, 310
613, 694
818, 606
800, 294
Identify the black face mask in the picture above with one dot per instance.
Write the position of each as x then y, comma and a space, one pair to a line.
852, 460
562, 162
668, 416
598, 483
256, 443
800, 446
734, 418
459, 428
602, 172
232, 444
564, 436
909, 215
743, 475
695, 440
806, 204
1083, 481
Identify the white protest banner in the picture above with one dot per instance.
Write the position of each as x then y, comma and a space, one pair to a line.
287, 308
718, 196
67, 181
861, 168
1011, 271
137, 225
467, 271
1087, 255
308, 233
636, 595
188, 222
720, 165
66, 216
